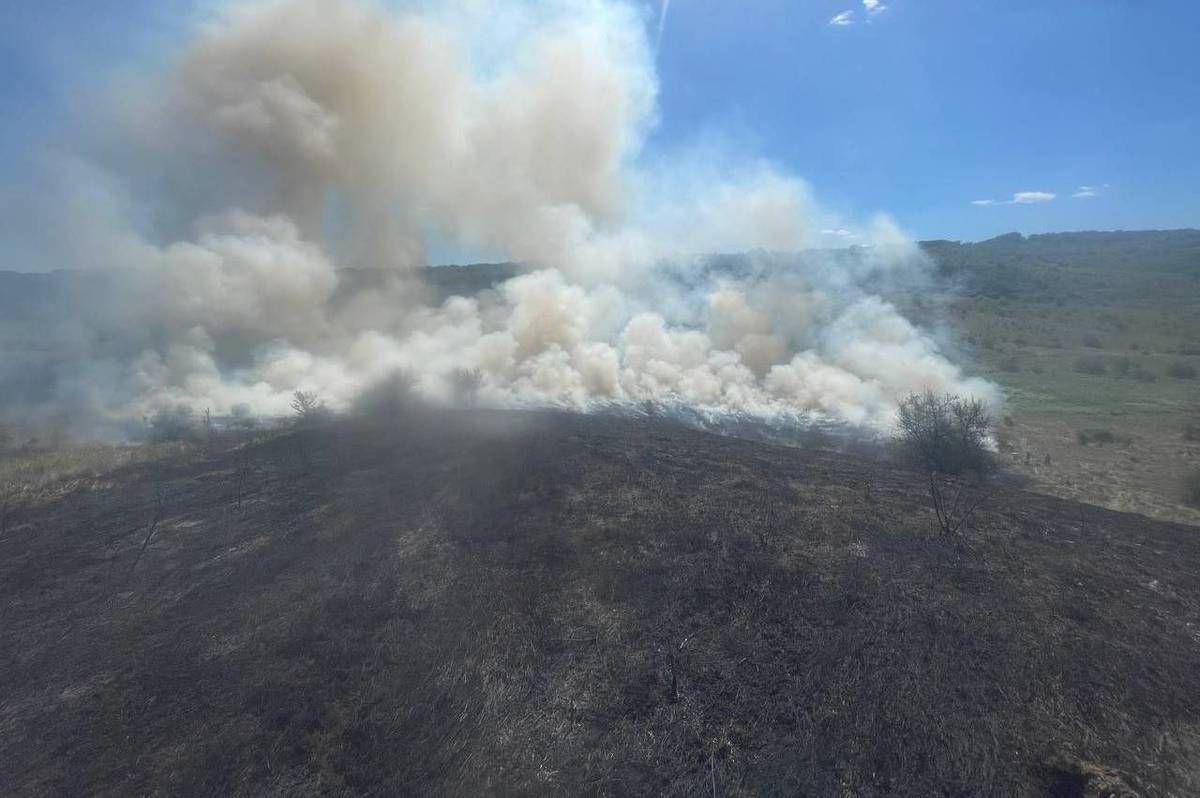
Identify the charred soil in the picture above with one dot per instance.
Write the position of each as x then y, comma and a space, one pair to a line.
476, 602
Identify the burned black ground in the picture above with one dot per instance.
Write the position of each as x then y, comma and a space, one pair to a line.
485, 602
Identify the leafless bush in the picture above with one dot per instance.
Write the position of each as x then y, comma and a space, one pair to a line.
242, 472
152, 527
465, 383
9, 488
308, 408
947, 437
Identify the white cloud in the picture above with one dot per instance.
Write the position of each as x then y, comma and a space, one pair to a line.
840, 233
843, 19
874, 6
1019, 198
1085, 192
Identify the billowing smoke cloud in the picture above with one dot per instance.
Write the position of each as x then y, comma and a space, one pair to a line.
293, 141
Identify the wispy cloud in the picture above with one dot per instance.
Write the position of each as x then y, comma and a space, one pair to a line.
1085, 192
662, 23
1031, 197
840, 233
871, 8
1019, 198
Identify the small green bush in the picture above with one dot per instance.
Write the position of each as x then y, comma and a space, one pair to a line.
389, 398
1181, 370
1191, 488
1092, 366
1098, 437
173, 423
1092, 341
1142, 374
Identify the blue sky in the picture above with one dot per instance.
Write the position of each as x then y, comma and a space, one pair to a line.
917, 109
922, 108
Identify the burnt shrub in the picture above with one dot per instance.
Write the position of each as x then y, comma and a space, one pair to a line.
465, 385
948, 438
308, 409
946, 434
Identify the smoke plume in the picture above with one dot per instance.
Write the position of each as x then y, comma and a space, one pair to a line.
236, 198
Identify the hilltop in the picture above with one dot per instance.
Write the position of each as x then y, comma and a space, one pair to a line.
468, 602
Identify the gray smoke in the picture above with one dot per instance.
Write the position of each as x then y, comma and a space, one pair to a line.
290, 141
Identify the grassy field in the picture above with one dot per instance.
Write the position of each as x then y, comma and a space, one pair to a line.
473, 602
1106, 393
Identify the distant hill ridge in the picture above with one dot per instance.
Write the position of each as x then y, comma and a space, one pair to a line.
1010, 265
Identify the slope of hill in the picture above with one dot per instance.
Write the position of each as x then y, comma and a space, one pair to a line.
485, 602
1095, 338
1147, 266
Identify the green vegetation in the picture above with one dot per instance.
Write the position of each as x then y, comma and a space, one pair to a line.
1072, 269
1181, 370
1090, 365
1097, 437
1102, 328
1191, 488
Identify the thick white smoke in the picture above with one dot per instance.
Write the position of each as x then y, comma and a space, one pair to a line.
293, 140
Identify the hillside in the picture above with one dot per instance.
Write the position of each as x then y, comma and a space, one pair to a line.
486, 602
1094, 336
1148, 265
